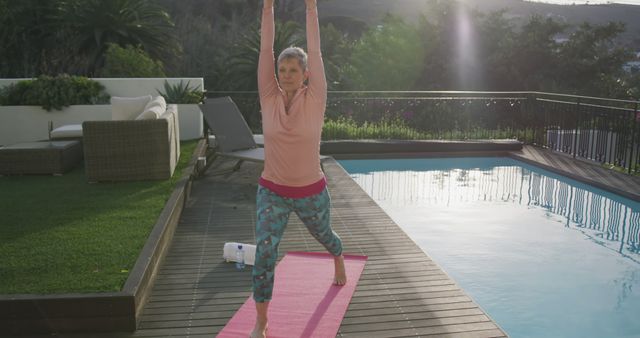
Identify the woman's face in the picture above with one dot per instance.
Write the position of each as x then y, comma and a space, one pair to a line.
291, 76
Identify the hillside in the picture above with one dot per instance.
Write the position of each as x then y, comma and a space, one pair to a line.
371, 11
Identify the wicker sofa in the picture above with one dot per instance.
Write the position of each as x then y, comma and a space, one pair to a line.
129, 150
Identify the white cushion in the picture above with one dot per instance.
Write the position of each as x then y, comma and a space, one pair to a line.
153, 109
157, 101
152, 113
70, 130
127, 108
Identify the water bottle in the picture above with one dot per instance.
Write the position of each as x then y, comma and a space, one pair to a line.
240, 258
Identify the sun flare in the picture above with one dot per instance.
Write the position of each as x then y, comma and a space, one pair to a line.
467, 65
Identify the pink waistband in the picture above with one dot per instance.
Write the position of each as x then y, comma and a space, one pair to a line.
295, 192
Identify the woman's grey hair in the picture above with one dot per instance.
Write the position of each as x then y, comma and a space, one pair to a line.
294, 53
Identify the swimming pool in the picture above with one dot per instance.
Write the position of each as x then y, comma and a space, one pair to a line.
543, 255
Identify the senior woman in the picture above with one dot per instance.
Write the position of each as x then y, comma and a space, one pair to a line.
292, 180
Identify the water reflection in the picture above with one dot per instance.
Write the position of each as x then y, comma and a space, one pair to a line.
606, 219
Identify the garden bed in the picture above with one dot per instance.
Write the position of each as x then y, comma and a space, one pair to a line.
83, 256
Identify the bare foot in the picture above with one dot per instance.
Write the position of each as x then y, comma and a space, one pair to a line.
340, 276
259, 331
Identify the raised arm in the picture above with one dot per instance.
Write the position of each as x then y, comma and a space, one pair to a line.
317, 79
267, 84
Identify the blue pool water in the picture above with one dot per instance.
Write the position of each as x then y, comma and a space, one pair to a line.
543, 255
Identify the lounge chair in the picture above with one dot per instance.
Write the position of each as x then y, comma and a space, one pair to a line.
233, 137
232, 134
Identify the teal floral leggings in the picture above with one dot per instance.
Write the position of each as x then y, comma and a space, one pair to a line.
273, 214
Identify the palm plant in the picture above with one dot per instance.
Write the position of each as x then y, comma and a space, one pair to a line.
181, 93
94, 24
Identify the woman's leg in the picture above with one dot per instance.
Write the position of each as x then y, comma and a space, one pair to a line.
260, 329
272, 217
315, 213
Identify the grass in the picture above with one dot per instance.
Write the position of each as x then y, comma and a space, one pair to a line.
60, 234
634, 172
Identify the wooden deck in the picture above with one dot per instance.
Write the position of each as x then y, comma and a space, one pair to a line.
588, 172
401, 292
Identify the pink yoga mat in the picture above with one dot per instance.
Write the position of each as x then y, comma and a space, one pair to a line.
305, 302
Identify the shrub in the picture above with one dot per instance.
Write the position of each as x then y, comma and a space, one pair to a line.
13, 94
181, 93
384, 129
345, 128
54, 92
130, 62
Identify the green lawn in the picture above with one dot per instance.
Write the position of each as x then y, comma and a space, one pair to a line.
60, 234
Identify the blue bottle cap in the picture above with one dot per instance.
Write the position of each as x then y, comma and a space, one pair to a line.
239, 246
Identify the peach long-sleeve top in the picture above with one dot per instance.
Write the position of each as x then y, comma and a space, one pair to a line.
292, 137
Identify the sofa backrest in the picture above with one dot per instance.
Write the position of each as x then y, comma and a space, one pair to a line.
132, 150
128, 108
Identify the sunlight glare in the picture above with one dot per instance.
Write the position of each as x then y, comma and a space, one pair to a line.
467, 52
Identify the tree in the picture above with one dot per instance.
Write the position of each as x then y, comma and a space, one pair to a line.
129, 62
93, 24
211, 32
535, 54
28, 44
336, 51
632, 83
452, 59
496, 41
388, 57
350, 28
590, 64
203, 45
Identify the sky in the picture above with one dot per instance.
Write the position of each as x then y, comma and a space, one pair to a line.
569, 2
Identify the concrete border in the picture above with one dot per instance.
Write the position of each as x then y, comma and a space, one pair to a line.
109, 311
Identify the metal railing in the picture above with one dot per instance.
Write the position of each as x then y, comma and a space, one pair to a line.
598, 129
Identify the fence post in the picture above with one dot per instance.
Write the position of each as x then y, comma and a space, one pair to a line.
634, 128
522, 124
577, 129
533, 111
